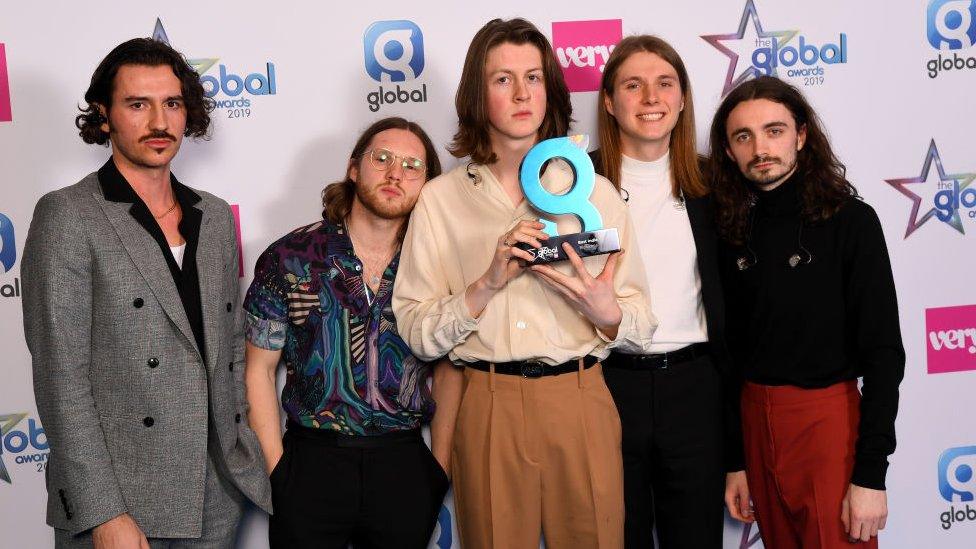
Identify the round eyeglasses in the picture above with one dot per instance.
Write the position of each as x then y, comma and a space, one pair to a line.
384, 159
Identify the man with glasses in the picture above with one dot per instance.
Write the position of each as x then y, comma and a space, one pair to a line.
352, 467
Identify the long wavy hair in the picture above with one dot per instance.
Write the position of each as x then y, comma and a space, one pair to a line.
824, 188
471, 101
152, 53
686, 176
337, 198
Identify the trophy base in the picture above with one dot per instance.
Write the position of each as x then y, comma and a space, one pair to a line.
586, 244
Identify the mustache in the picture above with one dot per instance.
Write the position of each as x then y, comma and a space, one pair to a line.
761, 159
159, 134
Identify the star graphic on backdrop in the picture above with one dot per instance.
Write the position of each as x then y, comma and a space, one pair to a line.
201, 65
7, 423
932, 156
745, 43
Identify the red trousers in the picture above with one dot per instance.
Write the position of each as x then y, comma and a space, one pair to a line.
799, 450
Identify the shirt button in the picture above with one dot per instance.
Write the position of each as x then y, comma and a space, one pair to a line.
138, 303
520, 325
153, 362
237, 418
148, 422
228, 307
230, 366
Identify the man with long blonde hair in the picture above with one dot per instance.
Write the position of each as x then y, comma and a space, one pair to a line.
677, 397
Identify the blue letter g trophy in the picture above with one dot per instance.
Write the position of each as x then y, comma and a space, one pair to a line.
592, 239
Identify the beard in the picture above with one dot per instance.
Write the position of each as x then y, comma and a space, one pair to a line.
381, 207
777, 172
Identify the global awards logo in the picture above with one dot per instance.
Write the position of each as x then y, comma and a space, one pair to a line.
754, 51
21, 444
935, 194
6, 113
957, 485
950, 26
8, 257
230, 91
950, 339
583, 48
393, 52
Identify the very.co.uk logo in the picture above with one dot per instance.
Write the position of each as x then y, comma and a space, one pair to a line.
393, 52
229, 90
582, 48
754, 51
950, 26
6, 114
951, 339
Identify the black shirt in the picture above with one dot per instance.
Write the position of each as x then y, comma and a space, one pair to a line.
831, 319
117, 189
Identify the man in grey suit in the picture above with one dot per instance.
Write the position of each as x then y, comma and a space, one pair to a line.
132, 317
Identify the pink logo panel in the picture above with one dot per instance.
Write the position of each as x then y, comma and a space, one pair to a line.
950, 339
240, 247
582, 49
5, 112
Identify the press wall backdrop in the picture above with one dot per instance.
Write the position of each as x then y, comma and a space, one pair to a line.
296, 82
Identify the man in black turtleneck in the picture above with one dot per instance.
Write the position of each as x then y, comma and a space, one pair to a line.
812, 308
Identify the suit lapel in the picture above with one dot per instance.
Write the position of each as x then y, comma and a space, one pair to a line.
152, 265
210, 269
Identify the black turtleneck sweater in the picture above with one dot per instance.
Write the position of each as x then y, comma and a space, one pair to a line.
823, 322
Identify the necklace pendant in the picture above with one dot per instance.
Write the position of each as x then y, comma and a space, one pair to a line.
375, 280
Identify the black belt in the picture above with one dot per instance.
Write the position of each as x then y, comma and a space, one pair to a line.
533, 368
332, 438
657, 361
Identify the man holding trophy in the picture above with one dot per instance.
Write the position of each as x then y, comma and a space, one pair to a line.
538, 437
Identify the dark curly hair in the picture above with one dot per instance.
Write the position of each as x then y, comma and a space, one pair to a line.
152, 53
822, 175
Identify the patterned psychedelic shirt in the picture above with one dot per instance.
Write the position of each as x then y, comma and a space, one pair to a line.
347, 367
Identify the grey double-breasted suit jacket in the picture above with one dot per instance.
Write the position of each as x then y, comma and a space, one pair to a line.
125, 393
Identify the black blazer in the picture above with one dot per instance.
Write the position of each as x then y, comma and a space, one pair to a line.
701, 215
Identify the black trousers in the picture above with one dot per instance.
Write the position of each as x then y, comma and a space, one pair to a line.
331, 490
674, 473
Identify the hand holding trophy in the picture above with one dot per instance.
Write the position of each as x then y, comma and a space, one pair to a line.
592, 239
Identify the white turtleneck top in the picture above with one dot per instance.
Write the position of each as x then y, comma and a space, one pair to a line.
667, 247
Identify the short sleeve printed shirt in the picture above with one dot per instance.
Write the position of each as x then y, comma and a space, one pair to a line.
347, 368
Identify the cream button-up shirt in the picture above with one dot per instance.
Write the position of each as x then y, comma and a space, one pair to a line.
450, 242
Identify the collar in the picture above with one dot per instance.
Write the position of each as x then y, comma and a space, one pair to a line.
654, 169
784, 199
115, 188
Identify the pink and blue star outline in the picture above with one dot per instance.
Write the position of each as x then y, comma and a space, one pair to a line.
901, 185
201, 65
733, 77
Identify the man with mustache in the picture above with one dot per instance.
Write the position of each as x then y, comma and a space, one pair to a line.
352, 467
811, 309
132, 317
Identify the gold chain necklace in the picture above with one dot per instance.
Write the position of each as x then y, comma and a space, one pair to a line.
164, 214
